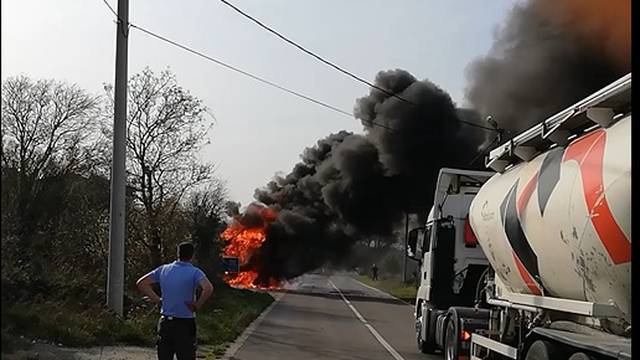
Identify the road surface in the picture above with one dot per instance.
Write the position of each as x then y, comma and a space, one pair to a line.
331, 317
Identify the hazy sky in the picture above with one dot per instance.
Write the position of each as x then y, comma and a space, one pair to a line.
259, 130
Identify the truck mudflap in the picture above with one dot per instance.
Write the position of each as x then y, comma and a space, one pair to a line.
613, 346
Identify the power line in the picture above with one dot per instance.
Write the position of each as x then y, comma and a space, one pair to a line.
483, 150
327, 62
254, 77
476, 125
230, 67
270, 83
111, 8
233, 68
245, 73
501, 132
308, 52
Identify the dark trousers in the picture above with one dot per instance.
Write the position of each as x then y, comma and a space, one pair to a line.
176, 336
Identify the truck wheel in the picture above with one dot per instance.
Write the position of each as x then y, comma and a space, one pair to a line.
452, 340
541, 350
428, 346
580, 356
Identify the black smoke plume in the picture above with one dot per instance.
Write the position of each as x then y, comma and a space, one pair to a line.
549, 55
349, 187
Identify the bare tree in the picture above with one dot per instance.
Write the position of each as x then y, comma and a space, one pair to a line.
166, 128
232, 208
46, 130
205, 209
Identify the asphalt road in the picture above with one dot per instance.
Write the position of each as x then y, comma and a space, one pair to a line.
332, 317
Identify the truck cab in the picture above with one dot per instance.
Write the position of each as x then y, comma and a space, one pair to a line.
451, 262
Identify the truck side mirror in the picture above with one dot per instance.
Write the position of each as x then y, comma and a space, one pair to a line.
413, 250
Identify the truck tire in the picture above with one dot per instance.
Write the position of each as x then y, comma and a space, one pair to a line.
580, 356
428, 346
452, 339
541, 350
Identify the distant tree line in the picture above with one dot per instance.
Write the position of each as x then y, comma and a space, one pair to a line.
386, 252
56, 160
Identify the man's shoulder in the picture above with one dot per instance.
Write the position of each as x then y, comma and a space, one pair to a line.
198, 270
165, 267
199, 274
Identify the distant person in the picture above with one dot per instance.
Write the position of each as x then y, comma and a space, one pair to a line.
374, 272
178, 283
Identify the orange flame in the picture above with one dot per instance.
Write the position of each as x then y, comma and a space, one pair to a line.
246, 279
243, 242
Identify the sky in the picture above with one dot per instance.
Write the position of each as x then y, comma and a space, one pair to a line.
258, 130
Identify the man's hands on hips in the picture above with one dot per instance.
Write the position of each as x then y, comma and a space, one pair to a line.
144, 285
193, 306
155, 300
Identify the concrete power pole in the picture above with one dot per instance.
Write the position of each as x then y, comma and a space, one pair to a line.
115, 277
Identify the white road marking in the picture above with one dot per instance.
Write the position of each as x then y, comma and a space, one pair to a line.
233, 349
371, 329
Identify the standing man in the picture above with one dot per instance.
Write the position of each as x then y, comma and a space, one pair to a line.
178, 281
374, 271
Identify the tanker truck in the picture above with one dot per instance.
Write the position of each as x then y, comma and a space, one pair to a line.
532, 258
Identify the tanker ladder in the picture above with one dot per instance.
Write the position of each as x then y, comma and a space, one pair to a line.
597, 110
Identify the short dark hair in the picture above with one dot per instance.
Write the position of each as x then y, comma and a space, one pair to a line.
185, 251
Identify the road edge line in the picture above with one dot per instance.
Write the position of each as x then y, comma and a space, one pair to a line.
239, 342
396, 355
380, 291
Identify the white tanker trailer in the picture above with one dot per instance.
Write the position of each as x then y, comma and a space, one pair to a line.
551, 277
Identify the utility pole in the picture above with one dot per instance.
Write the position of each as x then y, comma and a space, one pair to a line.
406, 239
115, 277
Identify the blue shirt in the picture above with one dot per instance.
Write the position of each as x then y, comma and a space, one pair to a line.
178, 282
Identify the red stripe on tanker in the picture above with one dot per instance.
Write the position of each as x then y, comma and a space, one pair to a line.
589, 153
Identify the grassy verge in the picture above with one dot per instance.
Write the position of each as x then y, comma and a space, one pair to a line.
227, 317
222, 319
393, 286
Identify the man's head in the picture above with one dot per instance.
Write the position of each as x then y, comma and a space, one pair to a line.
185, 251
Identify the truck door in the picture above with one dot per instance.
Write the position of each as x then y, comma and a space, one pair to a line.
426, 270
441, 264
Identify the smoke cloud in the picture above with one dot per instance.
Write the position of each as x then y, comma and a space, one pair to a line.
350, 187
549, 55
